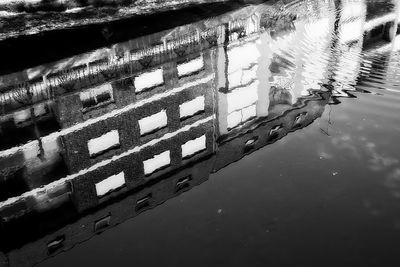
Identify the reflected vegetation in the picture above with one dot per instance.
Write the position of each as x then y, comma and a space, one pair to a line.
92, 140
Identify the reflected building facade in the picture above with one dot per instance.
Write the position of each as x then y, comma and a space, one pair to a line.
145, 120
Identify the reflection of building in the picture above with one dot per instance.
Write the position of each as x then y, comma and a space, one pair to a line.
139, 138
62, 127
130, 97
109, 110
99, 104
73, 229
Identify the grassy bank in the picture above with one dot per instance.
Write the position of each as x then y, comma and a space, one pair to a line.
31, 6
24, 17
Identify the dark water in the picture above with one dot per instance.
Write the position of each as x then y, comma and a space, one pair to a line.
263, 136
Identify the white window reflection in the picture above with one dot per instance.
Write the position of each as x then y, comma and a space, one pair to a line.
148, 80
110, 184
98, 95
192, 107
154, 122
190, 67
106, 141
157, 162
193, 146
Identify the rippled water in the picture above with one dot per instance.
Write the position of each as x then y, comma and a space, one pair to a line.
262, 134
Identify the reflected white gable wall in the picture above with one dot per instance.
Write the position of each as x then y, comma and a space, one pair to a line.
234, 119
397, 6
242, 97
264, 74
352, 21
349, 58
237, 117
249, 112
242, 56
319, 36
351, 31
242, 76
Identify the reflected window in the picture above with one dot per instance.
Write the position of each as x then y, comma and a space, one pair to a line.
275, 129
153, 123
97, 96
102, 223
191, 108
98, 65
143, 202
241, 28
251, 141
193, 146
250, 144
183, 183
300, 118
26, 115
157, 162
103, 143
237, 29
110, 184
55, 244
148, 80
274, 133
190, 67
